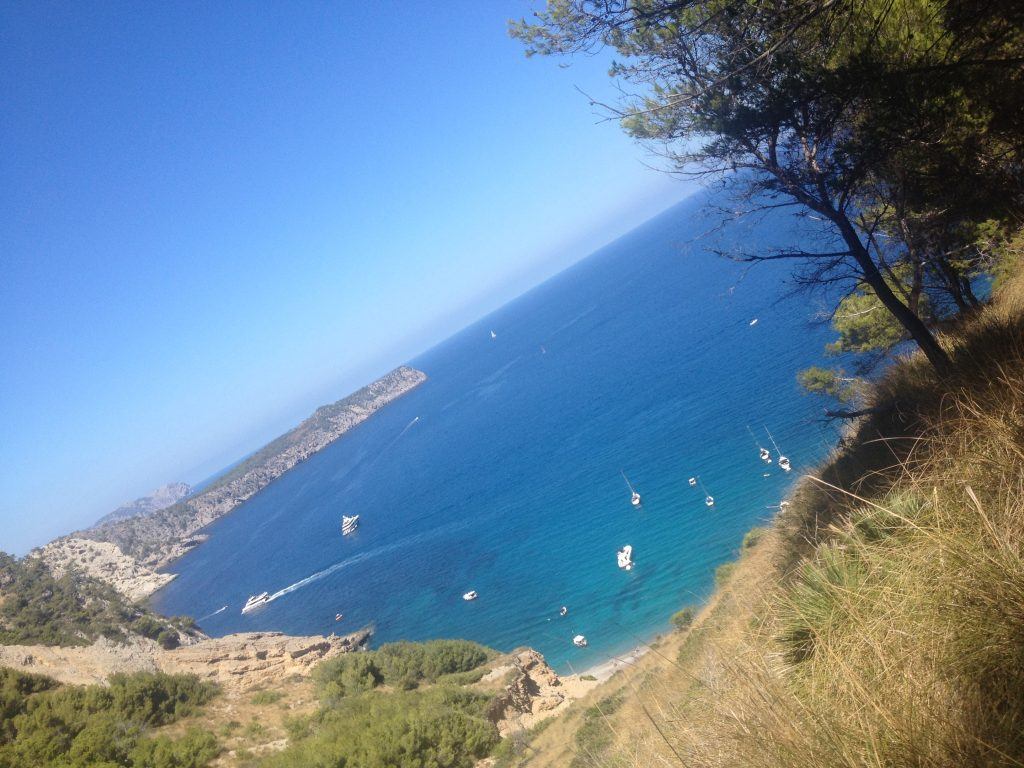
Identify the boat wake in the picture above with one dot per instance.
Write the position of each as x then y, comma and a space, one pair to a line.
211, 615
363, 556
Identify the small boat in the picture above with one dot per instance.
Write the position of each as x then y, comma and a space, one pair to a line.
338, 617
494, 335
634, 497
256, 601
471, 595
764, 453
562, 611
693, 482
754, 321
349, 524
783, 461
542, 350
579, 641
624, 557
709, 500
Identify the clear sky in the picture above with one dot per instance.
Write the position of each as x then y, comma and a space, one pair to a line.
216, 216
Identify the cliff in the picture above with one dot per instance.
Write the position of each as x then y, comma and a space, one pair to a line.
155, 539
236, 662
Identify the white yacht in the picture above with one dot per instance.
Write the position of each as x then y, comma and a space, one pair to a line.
494, 335
766, 455
256, 601
579, 641
471, 595
624, 557
709, 500
562, 611
349, 524
693, 482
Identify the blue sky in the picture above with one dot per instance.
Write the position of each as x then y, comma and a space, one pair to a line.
217, 216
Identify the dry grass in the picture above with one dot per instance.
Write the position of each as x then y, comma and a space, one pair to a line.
881, 621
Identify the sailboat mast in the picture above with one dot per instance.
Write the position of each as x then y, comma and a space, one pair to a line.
777, 450
631, 489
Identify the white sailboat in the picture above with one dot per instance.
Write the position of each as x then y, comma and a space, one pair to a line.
256, 601
494, 335
709, 500
783, 461
624, 557
634, 497
349, 524
579, 641
764, 453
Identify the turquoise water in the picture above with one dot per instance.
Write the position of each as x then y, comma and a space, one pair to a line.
502, 472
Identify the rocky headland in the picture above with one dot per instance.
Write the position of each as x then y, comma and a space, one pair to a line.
137, 546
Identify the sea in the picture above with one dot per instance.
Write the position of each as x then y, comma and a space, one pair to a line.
506, 471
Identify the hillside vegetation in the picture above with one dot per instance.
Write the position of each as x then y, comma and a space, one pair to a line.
38, 609
881, 620
44, 724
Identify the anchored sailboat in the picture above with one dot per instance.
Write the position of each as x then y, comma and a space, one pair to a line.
709, 500
766, 455
783, 461
634, 498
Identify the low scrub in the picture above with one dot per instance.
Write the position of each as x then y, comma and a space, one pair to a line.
401, 665
46, 725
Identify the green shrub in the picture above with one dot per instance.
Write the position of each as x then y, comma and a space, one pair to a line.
401, 665
70, 726
441, 726
262, 698
683, 618
753, 536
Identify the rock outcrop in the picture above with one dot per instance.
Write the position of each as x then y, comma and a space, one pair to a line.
237, 662
156, 539
103, 561
534, 692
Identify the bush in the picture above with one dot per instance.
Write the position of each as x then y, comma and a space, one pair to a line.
684, 618
441, 726
402, 665
45, 725
263, 698
753, 536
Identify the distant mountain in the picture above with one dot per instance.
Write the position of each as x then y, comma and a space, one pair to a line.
161, 498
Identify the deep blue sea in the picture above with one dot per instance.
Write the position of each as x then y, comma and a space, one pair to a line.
501, 473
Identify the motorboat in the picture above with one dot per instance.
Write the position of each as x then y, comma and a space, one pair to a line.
624, 557
693, 482
471, 595
579, 641
349, 524
562, 611
256, 601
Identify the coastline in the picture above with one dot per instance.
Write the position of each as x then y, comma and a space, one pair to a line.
132, 554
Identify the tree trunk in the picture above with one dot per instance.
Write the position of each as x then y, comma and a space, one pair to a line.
918, 331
